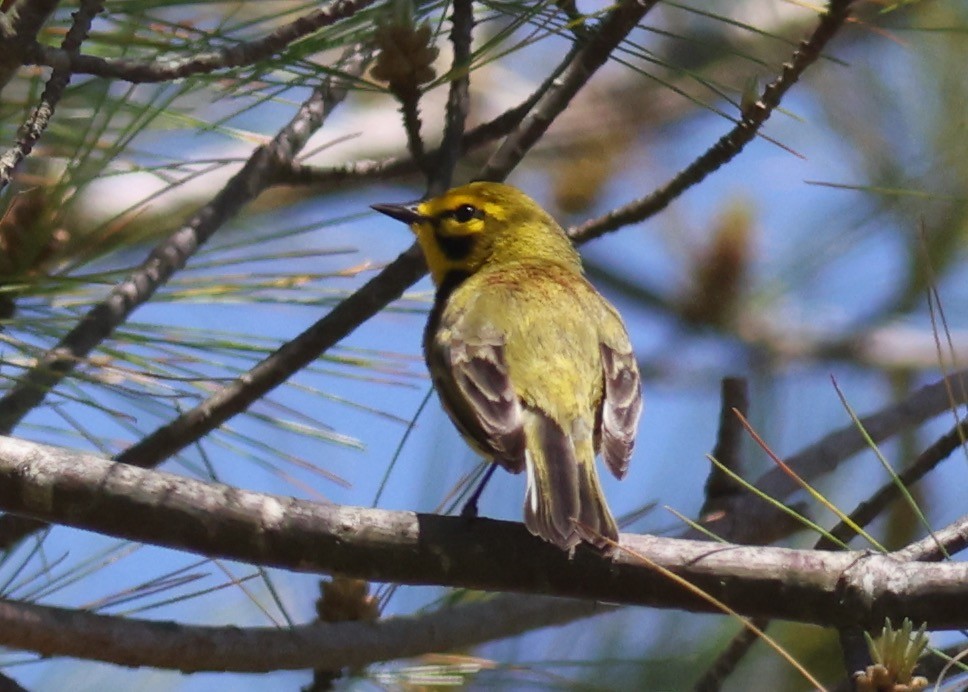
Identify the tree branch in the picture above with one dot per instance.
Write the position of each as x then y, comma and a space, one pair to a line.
746, 518
386, 286
939, 545
720, 486
865, 512
19, 26
239, 55
60, 76
458, 100
953, 538
172, 254
612, 31
733, 142
834, 589
291, 357
51, 631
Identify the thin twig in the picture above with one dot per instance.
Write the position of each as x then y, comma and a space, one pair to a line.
300, 174
746, 519
458, 100
294, 355
853, 647
130, 641
410, 110
60, 77
952, 538
866, 511
19, 27
716, 674
721, 487
171, 255
241, 54
942, 544
591, 56
733, 142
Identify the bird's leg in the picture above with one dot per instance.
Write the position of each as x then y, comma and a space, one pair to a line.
470, 507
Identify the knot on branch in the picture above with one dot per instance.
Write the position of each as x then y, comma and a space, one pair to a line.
866, 585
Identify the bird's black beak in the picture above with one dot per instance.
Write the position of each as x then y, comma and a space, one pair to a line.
401, 212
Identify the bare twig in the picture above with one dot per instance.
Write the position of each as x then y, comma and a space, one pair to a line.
410, 110
716, 674
865, 512
747, 517
60, 76
18, 29
239, 55
720, 487
949, 541
732, 142
299, 174
952, 538
275, 369
458, 100
591, 56
853, 647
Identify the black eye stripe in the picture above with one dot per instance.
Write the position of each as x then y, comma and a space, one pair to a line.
463, 213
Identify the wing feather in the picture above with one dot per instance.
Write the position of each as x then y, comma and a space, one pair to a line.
485, 404
621, 408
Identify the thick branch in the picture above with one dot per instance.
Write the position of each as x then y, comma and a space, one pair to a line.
51, 631
818, 587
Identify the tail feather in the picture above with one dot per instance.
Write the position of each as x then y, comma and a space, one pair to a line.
595, 522
564, 503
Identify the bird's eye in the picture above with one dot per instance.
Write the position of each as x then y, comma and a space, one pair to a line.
465, 213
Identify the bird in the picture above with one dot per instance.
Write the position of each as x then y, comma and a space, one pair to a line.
534, 367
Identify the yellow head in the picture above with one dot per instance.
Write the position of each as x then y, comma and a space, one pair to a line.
481, 224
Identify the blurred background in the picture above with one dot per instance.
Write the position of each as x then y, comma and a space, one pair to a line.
809, 256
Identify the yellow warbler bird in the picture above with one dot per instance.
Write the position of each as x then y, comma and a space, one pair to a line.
534, 367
